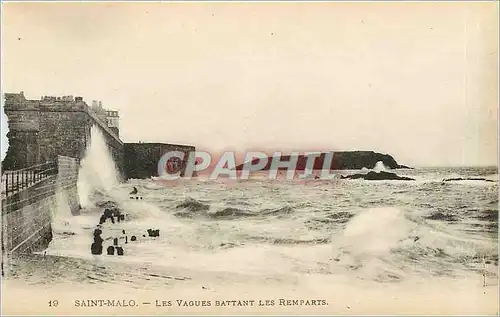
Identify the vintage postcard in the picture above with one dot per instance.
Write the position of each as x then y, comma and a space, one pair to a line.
249, 158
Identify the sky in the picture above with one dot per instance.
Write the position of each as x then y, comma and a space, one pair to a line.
416, 80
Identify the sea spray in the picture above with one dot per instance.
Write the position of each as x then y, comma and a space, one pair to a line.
376, 230
366, 242
61, 213
379, 166
67, 226
97, 169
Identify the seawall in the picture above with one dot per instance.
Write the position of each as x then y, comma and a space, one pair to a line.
27, 213
141, 159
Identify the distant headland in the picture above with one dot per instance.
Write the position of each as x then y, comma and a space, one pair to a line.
342, 160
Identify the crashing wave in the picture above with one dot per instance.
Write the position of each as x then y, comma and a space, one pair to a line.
286, 210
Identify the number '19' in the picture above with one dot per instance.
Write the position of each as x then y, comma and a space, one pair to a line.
53, 303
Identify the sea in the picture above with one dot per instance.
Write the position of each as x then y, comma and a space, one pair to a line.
378, 232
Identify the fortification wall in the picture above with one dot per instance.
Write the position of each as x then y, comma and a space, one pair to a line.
26, 218
141, 159
40, 130
27, 214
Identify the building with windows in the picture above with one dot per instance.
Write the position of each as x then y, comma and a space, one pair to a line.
110, 117
113, 120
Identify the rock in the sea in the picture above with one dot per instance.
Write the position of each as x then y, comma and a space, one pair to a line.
468, 179
119, 251
110, 250
154, 233
106, 204
372, 176
102, 220
96, 248
442, 216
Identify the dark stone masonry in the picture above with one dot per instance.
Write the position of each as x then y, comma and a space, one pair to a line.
141, 159
40, 130
56, 131
27, 214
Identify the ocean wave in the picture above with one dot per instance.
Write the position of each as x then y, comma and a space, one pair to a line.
194, 208
288, 241
442, 216
230, 212
488, 215
481, 228
456, 179
143, 184
286, 210
299, 241
386, 242
333, 218
193, 205
240, 202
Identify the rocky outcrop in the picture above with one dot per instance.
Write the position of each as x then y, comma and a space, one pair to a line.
346, 160
360, 159
372, 176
